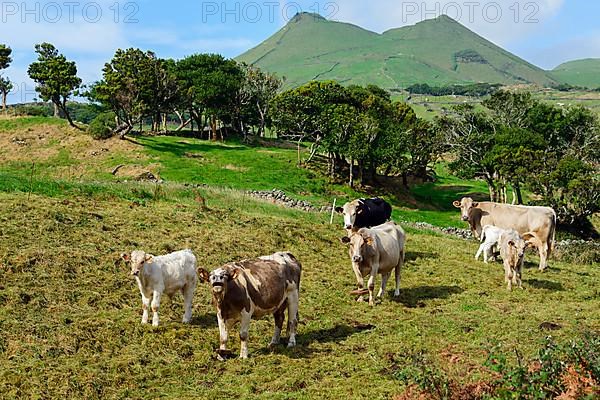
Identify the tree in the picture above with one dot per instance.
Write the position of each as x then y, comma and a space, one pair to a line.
5, 58
56, 78
209, 84
5, 84
5, 87
257, 91
469, 135
130, 87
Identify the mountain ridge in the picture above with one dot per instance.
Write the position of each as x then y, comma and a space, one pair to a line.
312, 47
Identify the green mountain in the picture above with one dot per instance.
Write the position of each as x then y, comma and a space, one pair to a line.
579, 72
438, 51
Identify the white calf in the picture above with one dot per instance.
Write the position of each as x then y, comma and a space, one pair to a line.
490, 237
171, 273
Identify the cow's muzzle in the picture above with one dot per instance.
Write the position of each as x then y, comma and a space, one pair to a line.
348, 226
136, 273
465, 218
356, 258
217, 287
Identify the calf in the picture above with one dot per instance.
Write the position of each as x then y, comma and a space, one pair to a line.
254, 288
490, 237
365, 213
377, 251
155, 275
512, 250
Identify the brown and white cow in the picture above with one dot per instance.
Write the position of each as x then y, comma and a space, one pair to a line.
252, 289
378, 250
539, 221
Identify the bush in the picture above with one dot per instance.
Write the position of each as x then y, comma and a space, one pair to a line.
102, 126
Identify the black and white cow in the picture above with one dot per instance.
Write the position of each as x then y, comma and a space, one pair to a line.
365, 213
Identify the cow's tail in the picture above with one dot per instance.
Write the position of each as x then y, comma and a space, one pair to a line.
552, 234
482, 236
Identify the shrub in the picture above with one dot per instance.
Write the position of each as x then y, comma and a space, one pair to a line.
102, 126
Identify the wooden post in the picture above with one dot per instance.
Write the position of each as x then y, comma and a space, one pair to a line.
332, 211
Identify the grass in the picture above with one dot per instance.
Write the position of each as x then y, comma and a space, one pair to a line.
85, 339
70, 313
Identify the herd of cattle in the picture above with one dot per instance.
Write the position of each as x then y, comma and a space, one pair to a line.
271, 284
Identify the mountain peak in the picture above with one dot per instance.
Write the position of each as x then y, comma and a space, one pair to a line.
306, 16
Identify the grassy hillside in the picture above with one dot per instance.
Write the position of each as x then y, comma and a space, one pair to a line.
70, 312
310, 47
584, 73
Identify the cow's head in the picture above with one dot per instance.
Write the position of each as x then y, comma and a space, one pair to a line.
360, 245
350, 210
220, 277
466, 204
137, 259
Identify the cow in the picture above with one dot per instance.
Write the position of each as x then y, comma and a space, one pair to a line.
490, 237
540, 221
252, 289
170, 273
365, 213
512, 251
377, 250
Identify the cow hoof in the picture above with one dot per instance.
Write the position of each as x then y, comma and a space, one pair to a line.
291, 344
360, 299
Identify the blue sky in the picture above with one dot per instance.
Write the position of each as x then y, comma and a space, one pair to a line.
544, 32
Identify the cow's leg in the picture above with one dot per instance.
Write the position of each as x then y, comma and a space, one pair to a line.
188, 297
155, 306
279, 316
145, 307
508, 276
397, 271
223, 334
384, 279
479, 250
292, 317
543, 256
244, 326
359, 278
518, 275
371, 283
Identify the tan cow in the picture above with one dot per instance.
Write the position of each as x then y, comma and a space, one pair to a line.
378, 250
539, 221
252, 289
512, 251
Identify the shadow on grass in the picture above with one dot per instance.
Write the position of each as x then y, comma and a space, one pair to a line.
303, 349
413, 297
544, 284
181, 148
205, 320
420, 255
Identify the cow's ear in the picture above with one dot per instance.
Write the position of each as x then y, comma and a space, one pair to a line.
339, 210
456, 204
203, 274
528, 236
345, 239
125, 256
148, 258
235, 272
369, 240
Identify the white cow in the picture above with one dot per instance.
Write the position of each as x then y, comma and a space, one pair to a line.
490, 237
155, 275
